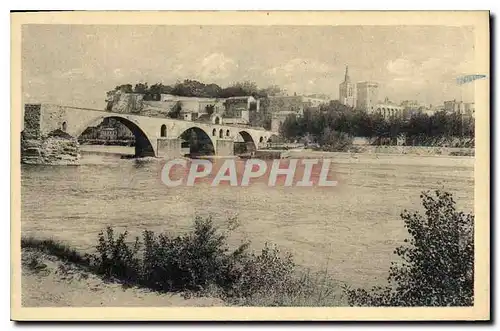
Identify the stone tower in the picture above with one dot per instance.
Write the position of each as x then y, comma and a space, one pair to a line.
347, 91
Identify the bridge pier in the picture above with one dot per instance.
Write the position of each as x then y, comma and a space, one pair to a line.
168, 147
224, 147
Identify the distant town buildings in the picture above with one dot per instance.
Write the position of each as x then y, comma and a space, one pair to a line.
247, 110
270, 111
365, 96
108, 129
463, 108
389, 109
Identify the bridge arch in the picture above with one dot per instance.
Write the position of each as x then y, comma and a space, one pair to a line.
249, 141
143, 144
200, 142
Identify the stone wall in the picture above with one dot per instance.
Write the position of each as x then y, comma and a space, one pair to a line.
53, 117
224, 147
32, 121
169, 147
413, 150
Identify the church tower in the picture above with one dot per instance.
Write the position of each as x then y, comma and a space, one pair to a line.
347, 91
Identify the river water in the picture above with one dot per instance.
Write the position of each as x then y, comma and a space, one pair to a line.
350, 230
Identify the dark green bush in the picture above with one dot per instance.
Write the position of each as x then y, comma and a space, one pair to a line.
436, 266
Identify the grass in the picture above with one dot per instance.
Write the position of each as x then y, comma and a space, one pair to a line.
57, 249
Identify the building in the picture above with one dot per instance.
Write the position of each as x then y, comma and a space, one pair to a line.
108, 133
411, 108
389, 110
410, 104
188, 115
92, 132
347, 91
191, 104
278, 118
366, 96
313, 102
122, 132
429, 111
294, 103
244, 107
464, 108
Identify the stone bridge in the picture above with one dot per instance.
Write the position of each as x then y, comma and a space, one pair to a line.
155, 136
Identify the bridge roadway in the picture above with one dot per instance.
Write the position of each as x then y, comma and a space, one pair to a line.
155, 136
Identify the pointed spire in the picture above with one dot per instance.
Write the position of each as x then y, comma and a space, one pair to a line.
347, 79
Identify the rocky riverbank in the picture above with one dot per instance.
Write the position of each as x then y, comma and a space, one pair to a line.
53, 149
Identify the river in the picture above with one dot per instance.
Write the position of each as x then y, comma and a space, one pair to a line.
350, 230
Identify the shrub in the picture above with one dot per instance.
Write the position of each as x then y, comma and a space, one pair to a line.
198, 261
335, 141
116, 258
193, 261
263, 272
437, 262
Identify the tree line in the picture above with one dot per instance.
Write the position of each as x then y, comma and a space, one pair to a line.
335, 118
194, 88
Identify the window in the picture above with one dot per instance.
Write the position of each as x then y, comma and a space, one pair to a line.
227, 133
214, 132
163, 131
220, 133
64, 126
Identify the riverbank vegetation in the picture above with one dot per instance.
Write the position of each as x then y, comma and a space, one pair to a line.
334, 126
434, 267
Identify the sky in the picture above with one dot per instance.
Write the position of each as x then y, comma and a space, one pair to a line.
77, 64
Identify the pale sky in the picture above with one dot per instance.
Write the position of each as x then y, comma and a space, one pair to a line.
77, 64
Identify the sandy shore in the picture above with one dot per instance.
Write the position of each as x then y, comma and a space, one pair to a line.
380, 158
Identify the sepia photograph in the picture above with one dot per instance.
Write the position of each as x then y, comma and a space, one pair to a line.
334, 165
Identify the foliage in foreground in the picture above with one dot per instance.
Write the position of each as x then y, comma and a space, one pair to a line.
434, 267
200, 263
437, 262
